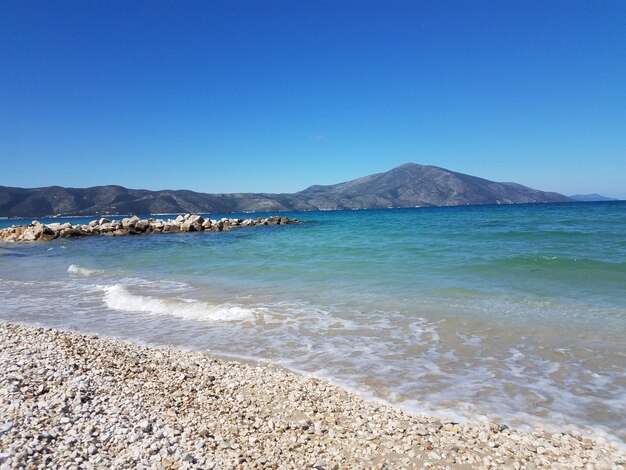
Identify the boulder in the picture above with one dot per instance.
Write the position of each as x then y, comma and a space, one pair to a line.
130, 222
195, 219
30, 234
69, 232
156, 226
47, 234
142, 225
132, 225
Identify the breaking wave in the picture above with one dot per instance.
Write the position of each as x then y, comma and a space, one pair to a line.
117, 297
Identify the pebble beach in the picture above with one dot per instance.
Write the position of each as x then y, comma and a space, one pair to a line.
69, 400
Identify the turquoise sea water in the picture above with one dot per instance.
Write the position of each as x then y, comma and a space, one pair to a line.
511, 313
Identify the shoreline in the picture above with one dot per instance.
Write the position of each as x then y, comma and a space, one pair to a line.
68, 399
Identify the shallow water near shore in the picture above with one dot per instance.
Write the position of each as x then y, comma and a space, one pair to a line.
512, 313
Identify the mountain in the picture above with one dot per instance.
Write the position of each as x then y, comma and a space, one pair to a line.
411, 185
408, 185
591, 198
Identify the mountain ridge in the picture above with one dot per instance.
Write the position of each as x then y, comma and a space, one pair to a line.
595, 197
408, 185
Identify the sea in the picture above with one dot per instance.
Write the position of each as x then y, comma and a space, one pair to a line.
510, 313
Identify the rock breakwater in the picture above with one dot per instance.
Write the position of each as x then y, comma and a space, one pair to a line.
38, 232
74, 401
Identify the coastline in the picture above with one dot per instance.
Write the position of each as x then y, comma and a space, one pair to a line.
68, 399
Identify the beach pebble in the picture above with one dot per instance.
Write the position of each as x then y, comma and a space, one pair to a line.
74, 401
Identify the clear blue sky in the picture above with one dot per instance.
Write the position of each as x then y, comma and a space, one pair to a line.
225, 96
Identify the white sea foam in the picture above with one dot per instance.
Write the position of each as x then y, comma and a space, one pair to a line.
117, 297
79, 270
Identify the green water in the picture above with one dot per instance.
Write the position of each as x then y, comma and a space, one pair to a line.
514, 313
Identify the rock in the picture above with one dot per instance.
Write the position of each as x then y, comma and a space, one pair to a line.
195, 219
145, 426
47, 234
128, 226
142, 225
6, 427
130, 222
70, 232
29, 234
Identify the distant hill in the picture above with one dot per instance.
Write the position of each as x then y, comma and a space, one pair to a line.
591, 198
408, 185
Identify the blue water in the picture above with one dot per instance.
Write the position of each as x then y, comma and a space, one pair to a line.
512, 313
